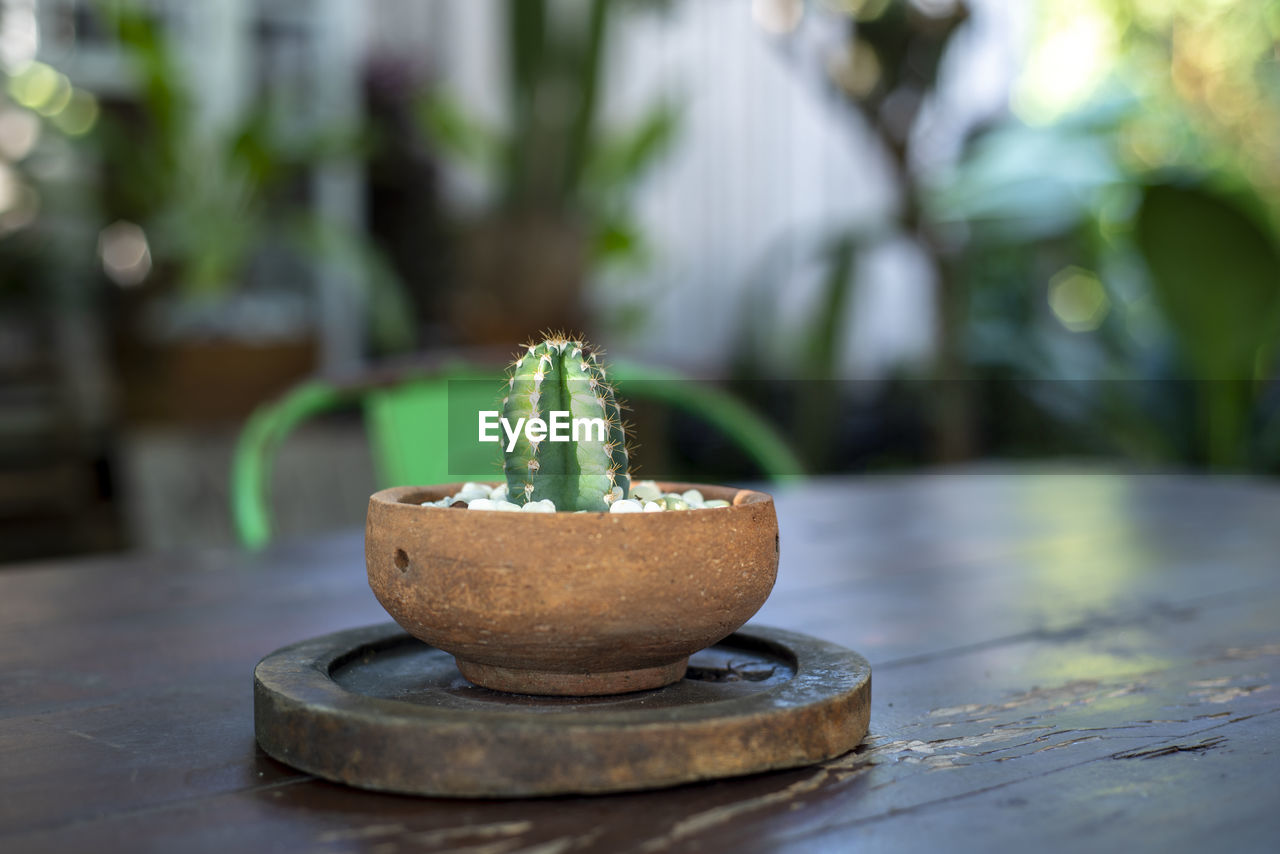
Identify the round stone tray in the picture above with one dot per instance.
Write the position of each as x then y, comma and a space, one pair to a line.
375, 708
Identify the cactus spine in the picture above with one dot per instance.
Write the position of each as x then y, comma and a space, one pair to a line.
565, 375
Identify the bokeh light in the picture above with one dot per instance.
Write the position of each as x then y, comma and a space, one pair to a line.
1076, 51
863, 10
1078, 299
8, 188
125, 254
19, 132
79, 115
35, 84
855, 68
778, 17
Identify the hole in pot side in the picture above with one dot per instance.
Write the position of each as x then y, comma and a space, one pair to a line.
401, 559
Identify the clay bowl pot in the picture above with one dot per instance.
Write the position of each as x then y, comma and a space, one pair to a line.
571, 603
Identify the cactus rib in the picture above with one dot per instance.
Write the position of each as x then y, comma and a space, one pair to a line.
561, 374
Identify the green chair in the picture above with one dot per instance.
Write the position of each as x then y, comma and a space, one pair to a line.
407, 417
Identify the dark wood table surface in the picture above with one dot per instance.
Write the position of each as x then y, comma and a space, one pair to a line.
1061, 661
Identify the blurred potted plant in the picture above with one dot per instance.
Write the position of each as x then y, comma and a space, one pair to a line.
214, 242
560, 183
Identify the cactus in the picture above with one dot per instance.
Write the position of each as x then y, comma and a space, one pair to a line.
563, 374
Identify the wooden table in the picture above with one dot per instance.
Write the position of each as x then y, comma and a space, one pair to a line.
1061, 661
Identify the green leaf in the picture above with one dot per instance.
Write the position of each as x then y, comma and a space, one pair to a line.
619, 239
458, 134
826, 330
620, 159
1216, 277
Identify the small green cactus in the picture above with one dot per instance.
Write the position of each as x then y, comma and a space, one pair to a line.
561, 374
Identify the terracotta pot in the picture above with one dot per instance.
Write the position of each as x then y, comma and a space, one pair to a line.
217, 380
571, 603
521, 274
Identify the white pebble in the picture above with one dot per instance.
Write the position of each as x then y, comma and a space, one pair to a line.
473, 490
546, 505
693, 498
653, 507
645, 490
490, 504
715, 502
626, 505
499, 493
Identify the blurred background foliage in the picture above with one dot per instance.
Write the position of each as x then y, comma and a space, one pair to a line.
557, 183
1140, 190
1099, 251
1104, 254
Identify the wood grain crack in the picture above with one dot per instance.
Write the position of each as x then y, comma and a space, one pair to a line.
897, 812
1170, 749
